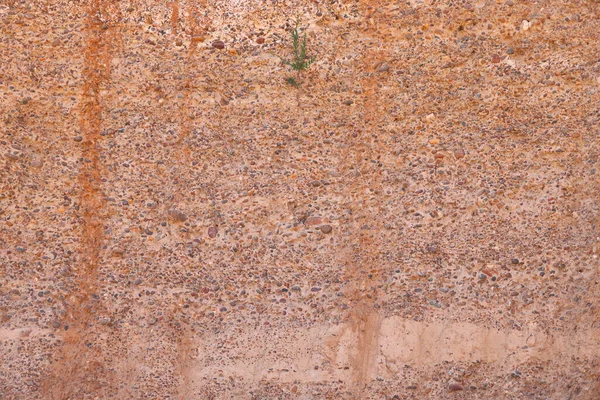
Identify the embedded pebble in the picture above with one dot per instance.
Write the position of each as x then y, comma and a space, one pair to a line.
218, 44
176, 215
326, 228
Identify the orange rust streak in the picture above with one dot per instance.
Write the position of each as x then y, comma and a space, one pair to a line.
79, 369
96, 71
363, 318
175, 15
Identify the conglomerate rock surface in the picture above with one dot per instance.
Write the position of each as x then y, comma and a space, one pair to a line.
418, 219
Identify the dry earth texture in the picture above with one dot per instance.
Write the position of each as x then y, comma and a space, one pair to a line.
418, 219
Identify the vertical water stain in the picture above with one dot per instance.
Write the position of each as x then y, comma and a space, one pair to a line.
181, 153
365, 247
175, 16
80, 369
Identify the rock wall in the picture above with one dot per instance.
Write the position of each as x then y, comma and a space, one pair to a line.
419, 218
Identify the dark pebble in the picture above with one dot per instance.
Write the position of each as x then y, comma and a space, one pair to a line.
176, 215
383, 68
212, 232
218, 44
455, 387
326, 228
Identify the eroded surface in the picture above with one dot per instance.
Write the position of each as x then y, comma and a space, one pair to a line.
418, 220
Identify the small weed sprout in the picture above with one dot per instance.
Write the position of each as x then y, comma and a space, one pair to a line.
299, 62
292, 81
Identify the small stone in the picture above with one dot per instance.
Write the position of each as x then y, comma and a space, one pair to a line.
514, 261
349, 102
315, 289
218, 44
212, 232
326, 228
36, 163
260, 40
496, 59
12, 156
459, 153
118, 252
152, 321
432, 248
510, 50
179, 42
55, 324
313, 221
435, 304
27, 332
176, 215
78, 138
455, 387
383, 68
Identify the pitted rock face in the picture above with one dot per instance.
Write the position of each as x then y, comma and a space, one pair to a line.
414, 215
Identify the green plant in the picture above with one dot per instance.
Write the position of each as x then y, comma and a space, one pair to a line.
299, 61
292, 81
